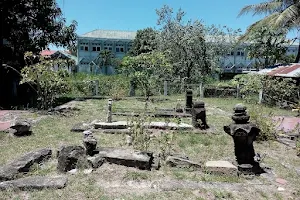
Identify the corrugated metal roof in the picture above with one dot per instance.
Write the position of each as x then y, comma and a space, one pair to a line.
286, 71
111, 34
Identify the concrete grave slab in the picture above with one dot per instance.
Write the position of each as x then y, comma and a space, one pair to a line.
221, 167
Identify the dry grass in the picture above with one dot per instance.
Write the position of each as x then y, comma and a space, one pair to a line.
118, 182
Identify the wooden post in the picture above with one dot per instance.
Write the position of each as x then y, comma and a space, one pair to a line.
165, 88
201, 90
260, 96
109, 114
96, 82
238, 91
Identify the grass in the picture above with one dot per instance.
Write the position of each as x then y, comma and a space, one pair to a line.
54, 131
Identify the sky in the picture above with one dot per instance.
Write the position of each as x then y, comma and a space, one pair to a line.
132, 15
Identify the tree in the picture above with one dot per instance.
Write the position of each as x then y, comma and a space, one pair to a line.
280, 14
105, 59
194, 50
29, 25
147, 70
267, 46
47, 83
183, 44
145, 41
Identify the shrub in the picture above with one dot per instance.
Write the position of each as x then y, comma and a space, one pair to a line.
48, 84
264, 122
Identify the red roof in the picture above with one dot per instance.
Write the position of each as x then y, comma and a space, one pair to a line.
47, 52
286, 71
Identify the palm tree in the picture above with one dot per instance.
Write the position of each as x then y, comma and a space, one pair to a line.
280, 14
104, 59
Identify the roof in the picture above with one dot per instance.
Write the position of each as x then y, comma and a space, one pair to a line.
47, 52
110, 34
291, 71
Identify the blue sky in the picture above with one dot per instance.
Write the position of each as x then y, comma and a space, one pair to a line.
138, 14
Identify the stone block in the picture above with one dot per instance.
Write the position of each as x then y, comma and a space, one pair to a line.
68, 157
112, 125
221, 167
180, 162
23, 164
35, 182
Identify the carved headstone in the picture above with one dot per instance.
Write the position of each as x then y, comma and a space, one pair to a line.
199, 115
244, 133
188, 100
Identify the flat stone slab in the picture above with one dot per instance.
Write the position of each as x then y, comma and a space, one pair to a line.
35, 182
23, 164
112, 125
221, 167
151, 125
156, 114
179, 162
126, 157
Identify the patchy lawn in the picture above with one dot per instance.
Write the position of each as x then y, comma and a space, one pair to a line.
119, 182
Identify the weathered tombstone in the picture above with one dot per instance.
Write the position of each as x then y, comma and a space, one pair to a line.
188, 100
201, 90
69, 157
260, 96
165, 88
96, 82
238, 91
199, 113
109, 114
90, 143
244, 133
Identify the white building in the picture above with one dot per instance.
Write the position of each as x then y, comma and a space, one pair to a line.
120, 42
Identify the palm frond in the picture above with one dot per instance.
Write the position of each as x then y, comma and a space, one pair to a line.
262, 8
267, 21
290, 16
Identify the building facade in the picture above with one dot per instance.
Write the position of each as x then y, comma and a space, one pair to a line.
92, 43
120, 42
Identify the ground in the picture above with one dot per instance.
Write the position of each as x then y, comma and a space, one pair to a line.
119, 182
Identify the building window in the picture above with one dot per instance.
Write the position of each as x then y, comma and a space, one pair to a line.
94, 48
117, 49
81, 48
232, 53
86, 48
122, 49
98, 48
242, 53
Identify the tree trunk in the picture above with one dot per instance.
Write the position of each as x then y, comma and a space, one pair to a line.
298, 54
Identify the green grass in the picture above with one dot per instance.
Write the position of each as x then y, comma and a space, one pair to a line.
54, 131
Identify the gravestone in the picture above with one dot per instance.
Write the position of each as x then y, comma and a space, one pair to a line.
109, 114
199, 115
188, 100
243, 134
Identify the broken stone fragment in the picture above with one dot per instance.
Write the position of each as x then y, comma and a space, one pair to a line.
80, 127
35, 182
69, 157
95, 161
21, 128
90, 144
23, 164
127, 157
173, 161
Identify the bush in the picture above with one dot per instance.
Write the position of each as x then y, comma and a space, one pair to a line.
48, 84
264, 122
116, 86
276, 91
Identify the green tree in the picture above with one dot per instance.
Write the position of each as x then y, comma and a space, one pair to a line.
147, 70
183, 44
145, 41
280, 14
29, 25
267, 46
47, 82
